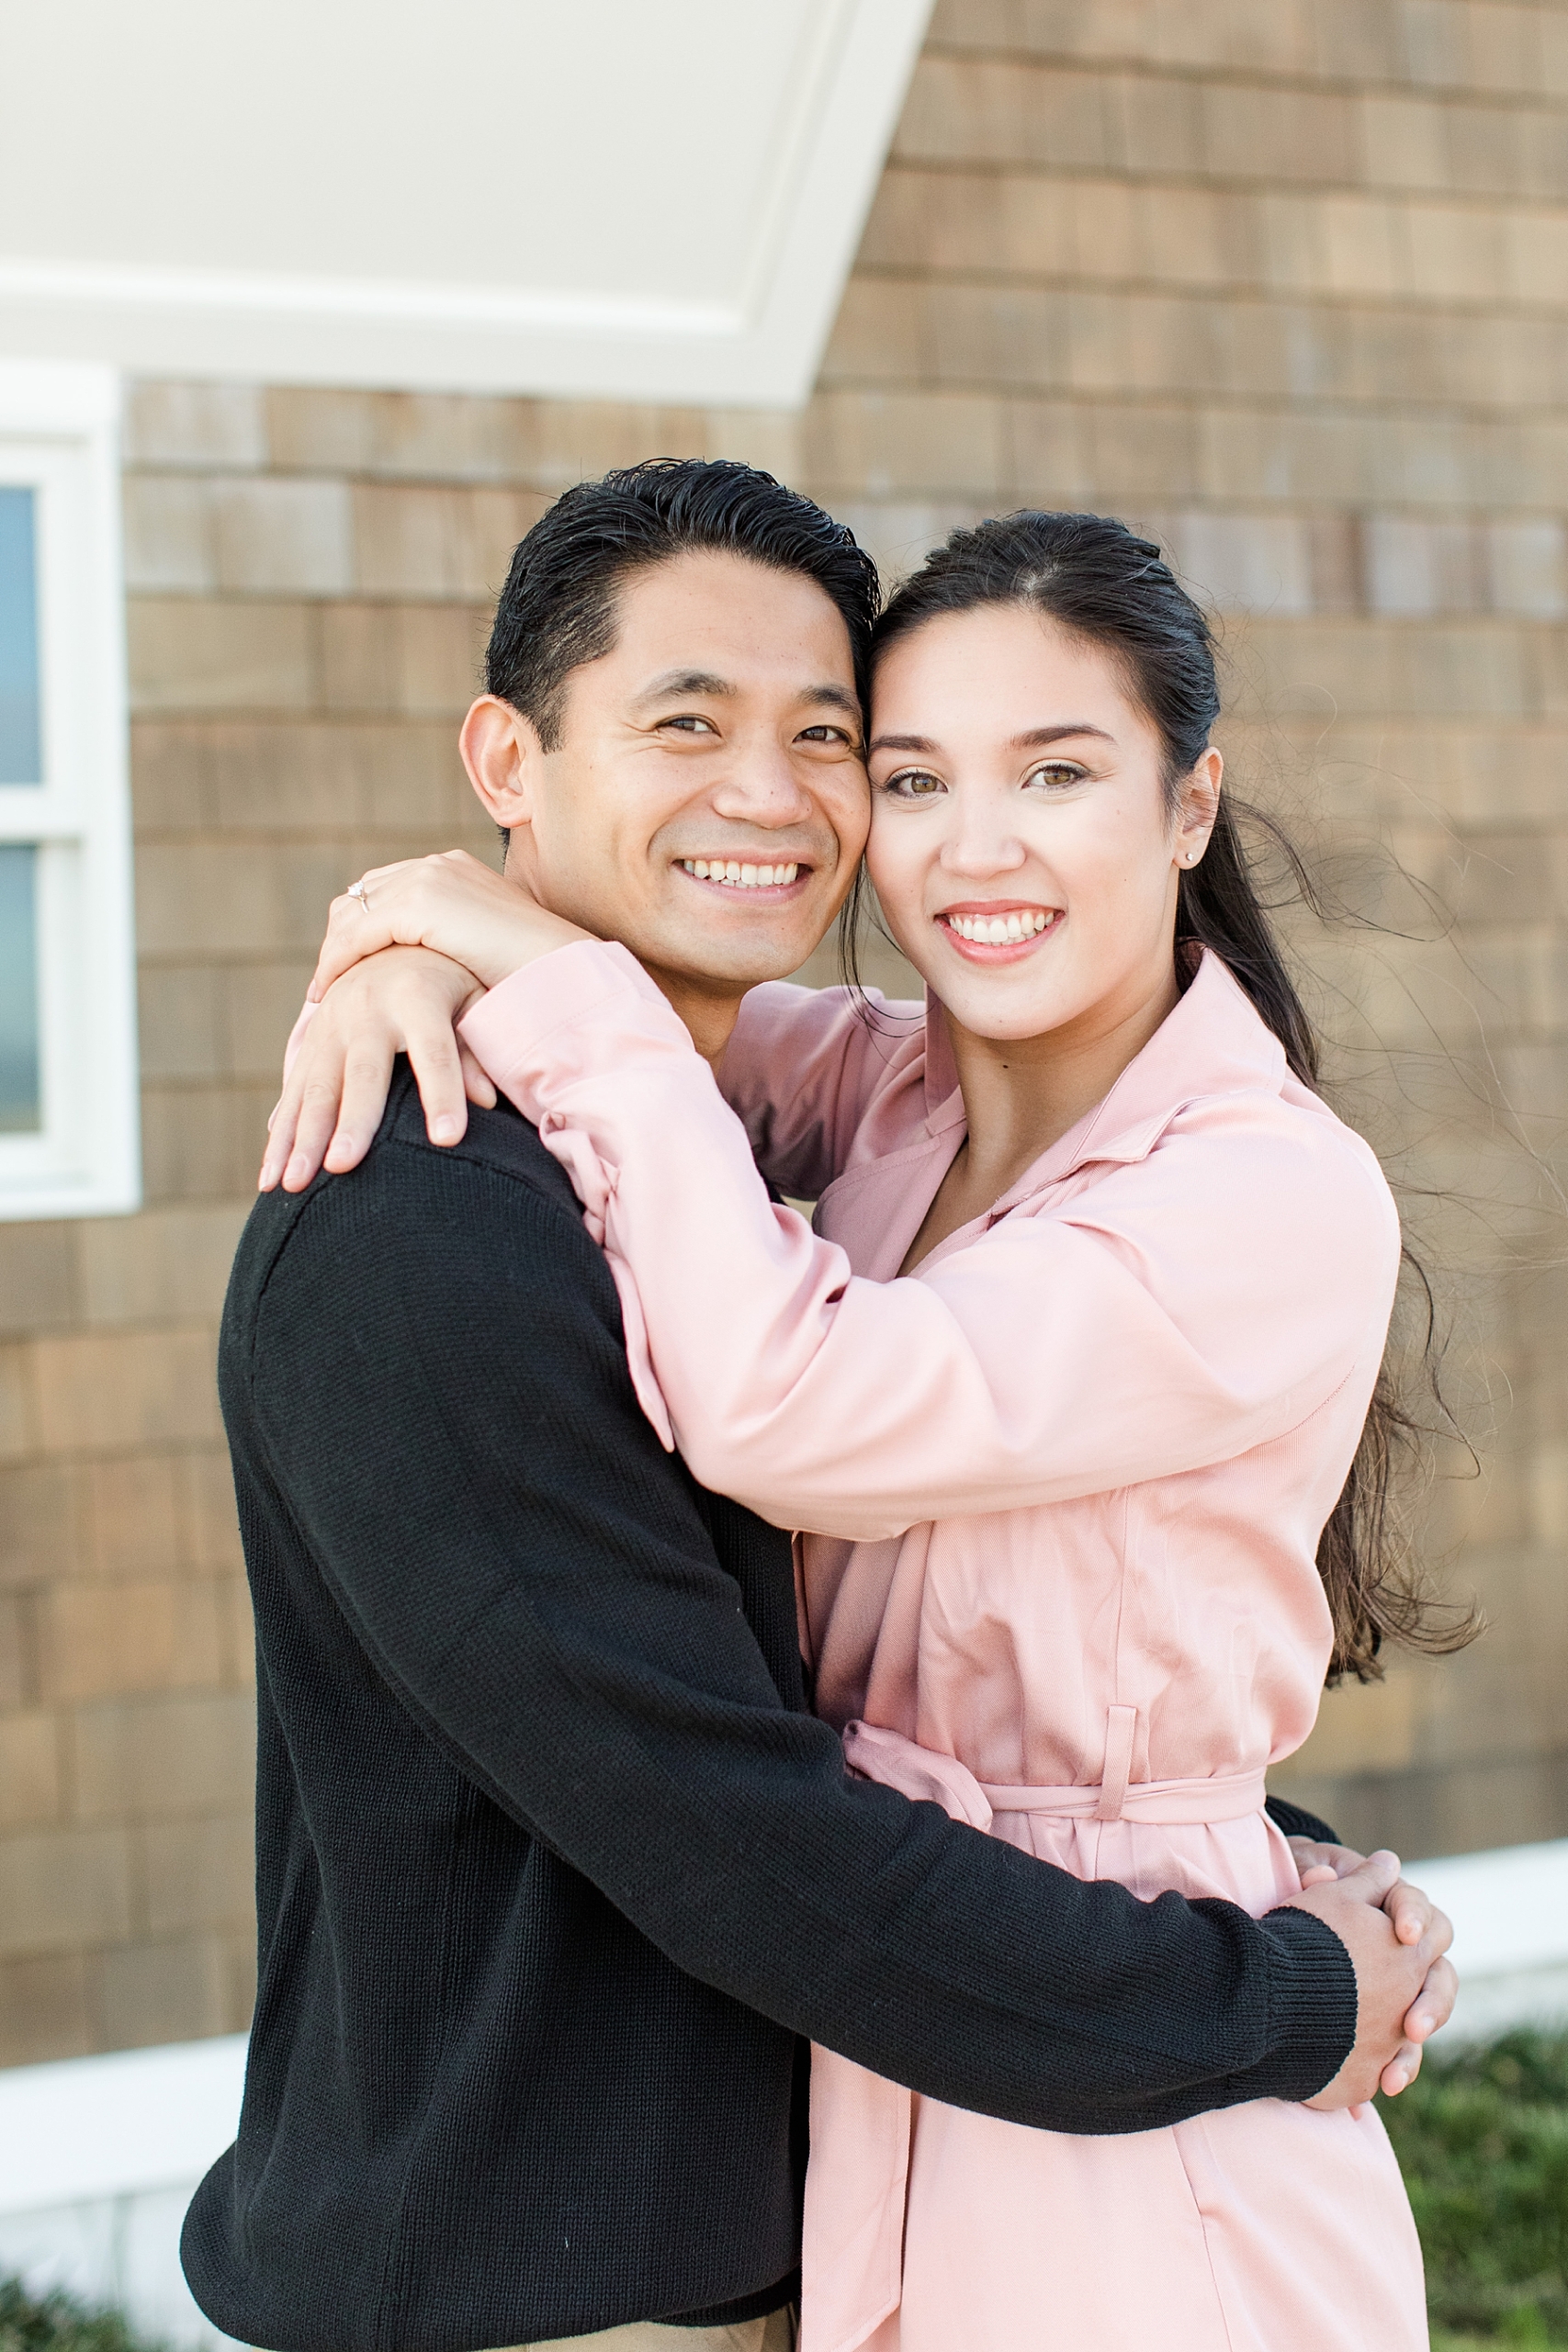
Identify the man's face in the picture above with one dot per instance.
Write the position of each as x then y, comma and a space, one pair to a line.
719, 738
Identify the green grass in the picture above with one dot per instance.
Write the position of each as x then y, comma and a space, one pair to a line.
1482, 2138
60, 2324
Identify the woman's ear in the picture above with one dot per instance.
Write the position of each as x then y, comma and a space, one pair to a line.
1199, 807
502, 752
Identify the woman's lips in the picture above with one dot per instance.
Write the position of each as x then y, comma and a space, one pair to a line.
998, 935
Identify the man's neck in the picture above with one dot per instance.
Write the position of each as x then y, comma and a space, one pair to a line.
709, 1012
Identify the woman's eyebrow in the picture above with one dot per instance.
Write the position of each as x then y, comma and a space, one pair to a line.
1035, 738
903, 743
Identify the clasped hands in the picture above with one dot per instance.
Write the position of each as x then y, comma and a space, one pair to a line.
467, 928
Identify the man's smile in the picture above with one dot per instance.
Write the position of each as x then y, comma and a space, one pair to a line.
736, 874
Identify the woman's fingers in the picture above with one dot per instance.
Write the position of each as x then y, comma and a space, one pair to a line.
366, 1083
280, 1130
334, 1099
478, 1085
438, 1073
397, 905
318, 1104
356, 928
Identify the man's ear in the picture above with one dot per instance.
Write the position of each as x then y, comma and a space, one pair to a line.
502, 752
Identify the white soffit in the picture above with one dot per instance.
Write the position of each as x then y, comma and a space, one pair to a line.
644, 199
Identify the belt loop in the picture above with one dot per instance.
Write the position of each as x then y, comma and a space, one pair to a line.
1120, 1730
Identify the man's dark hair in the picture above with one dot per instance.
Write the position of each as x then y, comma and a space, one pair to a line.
557, 608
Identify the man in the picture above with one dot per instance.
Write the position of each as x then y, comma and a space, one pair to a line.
555, 1869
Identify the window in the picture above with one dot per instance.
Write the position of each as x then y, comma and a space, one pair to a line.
68, 1137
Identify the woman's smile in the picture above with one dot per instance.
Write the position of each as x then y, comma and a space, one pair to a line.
998, 931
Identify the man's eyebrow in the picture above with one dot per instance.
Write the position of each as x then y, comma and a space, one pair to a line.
685, 682
835, 697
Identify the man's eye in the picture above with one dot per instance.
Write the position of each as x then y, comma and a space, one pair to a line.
823, 734
690, 723
914, 784
1057, 774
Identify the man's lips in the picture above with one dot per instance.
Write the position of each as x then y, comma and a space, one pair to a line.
748, 877
997, 931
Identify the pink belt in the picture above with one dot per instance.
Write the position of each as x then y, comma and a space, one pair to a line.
861, 2123
898, 1763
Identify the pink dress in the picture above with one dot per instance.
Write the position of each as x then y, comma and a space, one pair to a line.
1068, 1479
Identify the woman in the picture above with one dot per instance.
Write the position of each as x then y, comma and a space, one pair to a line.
1071, 1378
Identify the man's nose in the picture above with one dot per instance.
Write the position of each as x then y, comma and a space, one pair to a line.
761, 787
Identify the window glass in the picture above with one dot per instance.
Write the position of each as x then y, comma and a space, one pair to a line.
20, 1107
21, 759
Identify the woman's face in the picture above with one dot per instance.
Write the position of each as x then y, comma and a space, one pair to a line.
1015, 789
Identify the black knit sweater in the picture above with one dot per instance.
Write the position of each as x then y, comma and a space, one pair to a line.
554, 1867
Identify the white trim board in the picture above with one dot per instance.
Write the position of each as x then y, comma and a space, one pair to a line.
59, 438
756, 340
112, 2127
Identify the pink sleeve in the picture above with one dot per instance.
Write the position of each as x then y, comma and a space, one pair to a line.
1197, 1303
799, 1071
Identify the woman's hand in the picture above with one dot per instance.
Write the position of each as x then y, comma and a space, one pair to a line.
405, 999
450, 903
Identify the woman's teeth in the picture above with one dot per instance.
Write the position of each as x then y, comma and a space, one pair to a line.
743, 877
1001, 931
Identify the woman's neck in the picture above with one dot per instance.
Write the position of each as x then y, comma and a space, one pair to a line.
1023, 1094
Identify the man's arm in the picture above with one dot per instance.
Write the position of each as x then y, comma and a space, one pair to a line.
439, 1376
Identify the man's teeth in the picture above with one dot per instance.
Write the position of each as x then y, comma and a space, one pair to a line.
743, 877
999, 931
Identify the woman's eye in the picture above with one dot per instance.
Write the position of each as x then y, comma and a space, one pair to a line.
1057, 774
914, 784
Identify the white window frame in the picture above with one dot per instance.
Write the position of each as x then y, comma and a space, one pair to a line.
60, 437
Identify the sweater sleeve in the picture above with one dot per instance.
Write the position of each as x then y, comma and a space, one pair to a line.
438, 1376
1192, 1305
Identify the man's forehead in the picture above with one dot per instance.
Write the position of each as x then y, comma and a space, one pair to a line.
708, 612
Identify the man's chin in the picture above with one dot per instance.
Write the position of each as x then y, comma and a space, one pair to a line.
733, 965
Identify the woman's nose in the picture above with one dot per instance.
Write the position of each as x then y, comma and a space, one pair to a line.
977, 848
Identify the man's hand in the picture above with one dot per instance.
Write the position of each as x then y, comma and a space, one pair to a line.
1411, 1914
450, 903
1404, 1987
403, 1000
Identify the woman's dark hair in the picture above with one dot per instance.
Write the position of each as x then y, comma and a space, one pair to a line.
1091, 574
557, 608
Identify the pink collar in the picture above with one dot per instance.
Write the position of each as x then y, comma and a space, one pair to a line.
1213, 1041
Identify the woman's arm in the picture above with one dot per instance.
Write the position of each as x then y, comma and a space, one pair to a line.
1202, 1302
